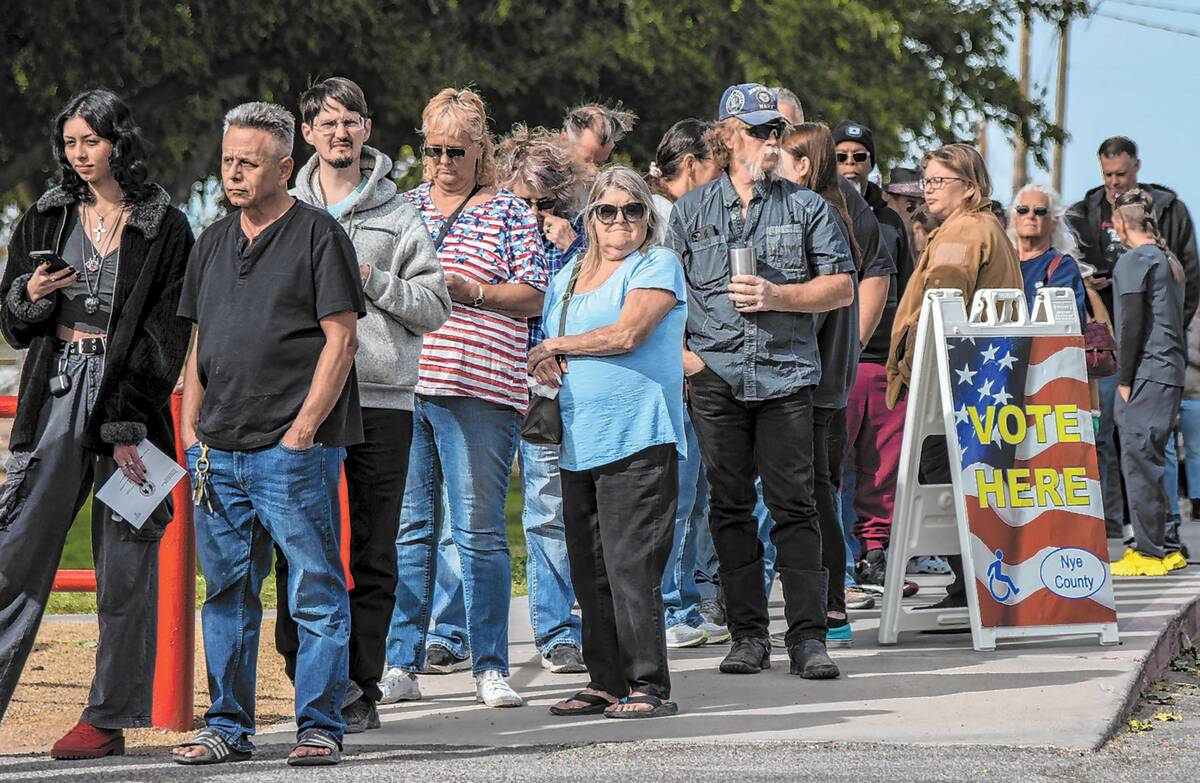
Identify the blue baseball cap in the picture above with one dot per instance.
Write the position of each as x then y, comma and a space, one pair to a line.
751, 103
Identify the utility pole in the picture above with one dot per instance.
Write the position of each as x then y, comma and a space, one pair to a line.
1060, 92
1020, 173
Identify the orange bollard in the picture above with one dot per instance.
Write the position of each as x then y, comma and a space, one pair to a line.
74, 580
176, 648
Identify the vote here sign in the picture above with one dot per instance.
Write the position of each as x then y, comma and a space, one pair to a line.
1030, 480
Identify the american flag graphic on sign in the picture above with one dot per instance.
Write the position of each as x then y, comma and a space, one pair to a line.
1030, 480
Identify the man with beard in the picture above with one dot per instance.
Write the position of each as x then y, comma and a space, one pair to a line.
753, 361
406, 297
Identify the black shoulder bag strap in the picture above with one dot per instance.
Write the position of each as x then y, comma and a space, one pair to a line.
450, 221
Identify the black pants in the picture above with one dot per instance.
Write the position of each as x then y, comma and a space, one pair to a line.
775, 439
620, 522
829, 440
376, 470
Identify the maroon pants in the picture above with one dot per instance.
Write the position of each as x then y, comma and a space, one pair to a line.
874, 435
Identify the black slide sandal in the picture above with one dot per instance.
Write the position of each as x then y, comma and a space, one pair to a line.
658, 709
316, 738
596, 705
216, 750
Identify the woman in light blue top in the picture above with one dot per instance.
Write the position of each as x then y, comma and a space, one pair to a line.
620, 367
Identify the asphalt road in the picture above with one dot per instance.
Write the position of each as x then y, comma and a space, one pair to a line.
1170, 751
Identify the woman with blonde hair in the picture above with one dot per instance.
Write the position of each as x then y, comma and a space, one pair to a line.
471, 395
620, 366
968, 251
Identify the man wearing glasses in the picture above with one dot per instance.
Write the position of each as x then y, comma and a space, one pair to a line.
752, 360
406, 297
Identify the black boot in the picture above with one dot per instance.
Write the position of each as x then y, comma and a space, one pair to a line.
811, 661
749, 655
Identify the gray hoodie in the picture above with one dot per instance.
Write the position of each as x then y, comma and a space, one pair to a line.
406, 291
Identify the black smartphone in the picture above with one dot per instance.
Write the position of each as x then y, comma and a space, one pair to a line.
43, 256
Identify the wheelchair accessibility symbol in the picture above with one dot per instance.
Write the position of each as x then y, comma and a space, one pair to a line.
995, 574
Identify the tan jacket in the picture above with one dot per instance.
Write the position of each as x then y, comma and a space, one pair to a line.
968, 252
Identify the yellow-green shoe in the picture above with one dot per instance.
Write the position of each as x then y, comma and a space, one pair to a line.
1174, 561
1134, 563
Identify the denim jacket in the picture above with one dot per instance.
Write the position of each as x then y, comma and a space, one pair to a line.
796, 234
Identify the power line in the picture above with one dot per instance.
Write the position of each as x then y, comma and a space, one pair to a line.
1159, 6
1152, 25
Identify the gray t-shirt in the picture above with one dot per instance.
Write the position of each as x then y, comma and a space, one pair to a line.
1148, 304
101, 283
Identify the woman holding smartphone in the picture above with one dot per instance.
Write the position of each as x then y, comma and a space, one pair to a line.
104, 351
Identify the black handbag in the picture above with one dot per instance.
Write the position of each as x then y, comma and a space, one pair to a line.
543, 419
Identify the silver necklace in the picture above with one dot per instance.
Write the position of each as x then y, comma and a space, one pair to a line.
95, 264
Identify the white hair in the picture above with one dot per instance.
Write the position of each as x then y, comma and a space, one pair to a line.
269, 117
784, 95
1061, 238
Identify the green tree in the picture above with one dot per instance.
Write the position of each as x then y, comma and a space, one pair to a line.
920, 70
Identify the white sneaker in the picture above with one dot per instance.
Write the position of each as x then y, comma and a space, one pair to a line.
684, 635
399, 685
493, 690
716, 633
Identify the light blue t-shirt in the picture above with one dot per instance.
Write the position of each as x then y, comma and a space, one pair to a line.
337, 209
615, 406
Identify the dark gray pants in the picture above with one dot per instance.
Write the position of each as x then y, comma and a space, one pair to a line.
1144, 423
43, 492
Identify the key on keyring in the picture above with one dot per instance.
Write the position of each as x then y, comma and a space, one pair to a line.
201, 493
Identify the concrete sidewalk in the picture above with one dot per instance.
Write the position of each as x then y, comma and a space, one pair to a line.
1067, 692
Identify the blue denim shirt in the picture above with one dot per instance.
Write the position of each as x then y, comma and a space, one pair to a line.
555, 261
796, 233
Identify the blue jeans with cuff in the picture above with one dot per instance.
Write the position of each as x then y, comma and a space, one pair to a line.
289, 497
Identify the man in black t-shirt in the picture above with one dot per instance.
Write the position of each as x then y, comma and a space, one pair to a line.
269, 403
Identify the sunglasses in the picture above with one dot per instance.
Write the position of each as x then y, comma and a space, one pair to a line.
542, 204
634, 212
764, 132
857, 157
450, 152
1023, 209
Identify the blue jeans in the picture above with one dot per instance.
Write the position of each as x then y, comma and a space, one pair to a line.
1171, 485
708, 583
764, 534
546, 569
1189, 424
1106, 454
465, 446
681, 596
849, 518
290, 497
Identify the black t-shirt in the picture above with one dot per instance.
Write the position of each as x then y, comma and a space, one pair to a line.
258, 309
837, 330
895, 239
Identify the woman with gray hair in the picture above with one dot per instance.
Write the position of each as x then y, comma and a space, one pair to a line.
1045, 247
622, 414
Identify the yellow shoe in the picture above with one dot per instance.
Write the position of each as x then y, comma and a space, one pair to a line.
1175, 561
1134, 563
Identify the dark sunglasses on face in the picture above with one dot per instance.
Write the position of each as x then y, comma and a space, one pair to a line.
450, 152
634, 212
1023, 209
764, 132
857, 157
542, 204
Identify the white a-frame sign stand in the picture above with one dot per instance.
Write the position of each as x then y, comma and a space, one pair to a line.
1024, 507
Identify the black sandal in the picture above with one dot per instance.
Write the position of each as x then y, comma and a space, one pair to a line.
316, 738
658, 709
596, 705
216, 750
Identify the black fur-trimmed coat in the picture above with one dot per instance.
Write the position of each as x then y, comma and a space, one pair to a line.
147, 342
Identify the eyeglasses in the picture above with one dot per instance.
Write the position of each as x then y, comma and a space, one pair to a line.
767, 130
328, 127
1023, 209
634, 212
542, 204
450, 152
937, 183
857, 157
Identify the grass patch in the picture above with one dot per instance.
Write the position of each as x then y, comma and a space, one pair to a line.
78, 554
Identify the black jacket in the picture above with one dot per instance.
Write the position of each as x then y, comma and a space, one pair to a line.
1174, 223
147, 343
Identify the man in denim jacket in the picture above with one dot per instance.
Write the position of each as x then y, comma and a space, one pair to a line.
752, 360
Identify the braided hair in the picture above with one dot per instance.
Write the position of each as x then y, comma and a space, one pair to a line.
1137, 209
